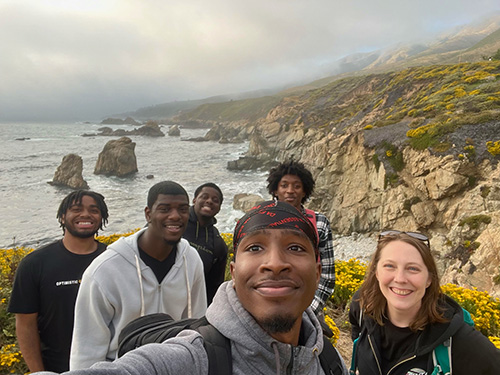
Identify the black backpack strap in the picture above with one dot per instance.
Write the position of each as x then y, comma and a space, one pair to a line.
218, 347
330, 359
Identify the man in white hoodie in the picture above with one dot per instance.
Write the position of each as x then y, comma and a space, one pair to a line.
152, 271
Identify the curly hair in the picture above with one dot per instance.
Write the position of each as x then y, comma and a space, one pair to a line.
294, 168
373, 302
75, 197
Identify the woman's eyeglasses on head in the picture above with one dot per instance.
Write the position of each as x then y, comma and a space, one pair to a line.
416, 235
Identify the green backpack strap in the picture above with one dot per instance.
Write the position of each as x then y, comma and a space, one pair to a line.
352, 370
468, 318
441, 355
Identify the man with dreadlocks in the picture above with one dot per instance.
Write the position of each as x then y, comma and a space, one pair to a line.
47, 281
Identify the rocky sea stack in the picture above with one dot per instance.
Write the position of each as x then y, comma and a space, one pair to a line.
117, 158
69, 173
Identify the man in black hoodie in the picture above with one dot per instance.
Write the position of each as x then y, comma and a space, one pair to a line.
204, 236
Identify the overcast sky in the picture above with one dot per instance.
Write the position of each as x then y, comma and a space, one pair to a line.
86, 59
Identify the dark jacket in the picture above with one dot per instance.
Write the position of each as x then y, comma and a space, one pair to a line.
472, 352
212, 249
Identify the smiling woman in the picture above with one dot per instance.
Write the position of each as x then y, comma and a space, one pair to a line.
400, 316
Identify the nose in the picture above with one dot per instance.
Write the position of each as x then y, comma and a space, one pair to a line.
174, 214
275, 261
85, 212
400, 276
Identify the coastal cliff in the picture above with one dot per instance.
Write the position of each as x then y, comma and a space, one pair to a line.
414, 150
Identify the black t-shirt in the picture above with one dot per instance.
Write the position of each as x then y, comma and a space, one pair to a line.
159, 268
47, 282
212, 250
396, 343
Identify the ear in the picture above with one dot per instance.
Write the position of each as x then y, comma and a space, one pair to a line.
194, 200
429, 282
318, 273
232, 270
147, 214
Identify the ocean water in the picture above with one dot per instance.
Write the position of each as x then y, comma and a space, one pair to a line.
32, 152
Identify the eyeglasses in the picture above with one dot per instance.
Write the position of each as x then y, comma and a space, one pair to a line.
418, 236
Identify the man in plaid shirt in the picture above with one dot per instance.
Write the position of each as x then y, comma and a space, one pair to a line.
291, 182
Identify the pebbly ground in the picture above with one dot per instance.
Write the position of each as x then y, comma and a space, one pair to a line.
360, 246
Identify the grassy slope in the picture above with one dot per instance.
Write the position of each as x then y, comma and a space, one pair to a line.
235, 110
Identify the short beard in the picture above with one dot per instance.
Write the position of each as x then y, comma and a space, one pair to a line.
278, 324
80, 234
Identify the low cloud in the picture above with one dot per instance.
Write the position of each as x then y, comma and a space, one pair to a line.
83, 60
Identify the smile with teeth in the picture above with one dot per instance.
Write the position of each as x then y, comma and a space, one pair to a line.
173, 228
401, 292
84, 223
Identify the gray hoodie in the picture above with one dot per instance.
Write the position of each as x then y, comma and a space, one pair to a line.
119, 287
253, 350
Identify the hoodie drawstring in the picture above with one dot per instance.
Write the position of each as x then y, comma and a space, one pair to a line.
198, 232
187, 286
139, 275
276, 357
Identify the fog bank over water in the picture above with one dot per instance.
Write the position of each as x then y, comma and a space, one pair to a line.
84, 60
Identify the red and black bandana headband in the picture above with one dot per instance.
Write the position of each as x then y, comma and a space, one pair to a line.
274, 215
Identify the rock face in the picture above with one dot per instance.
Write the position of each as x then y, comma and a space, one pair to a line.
364, 189
174, 131
117, 158
236, 133
244, 202
69, 173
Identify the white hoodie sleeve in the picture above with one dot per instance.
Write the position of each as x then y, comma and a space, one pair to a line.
199, 293
92, 331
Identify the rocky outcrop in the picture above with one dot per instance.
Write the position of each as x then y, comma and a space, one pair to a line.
237, 132
69, 173
362, 188
119, 121
117, 158
174, 131
195, 139
150, 129
245, 202
353, 135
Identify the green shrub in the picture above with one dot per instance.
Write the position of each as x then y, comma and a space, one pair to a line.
475, 221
